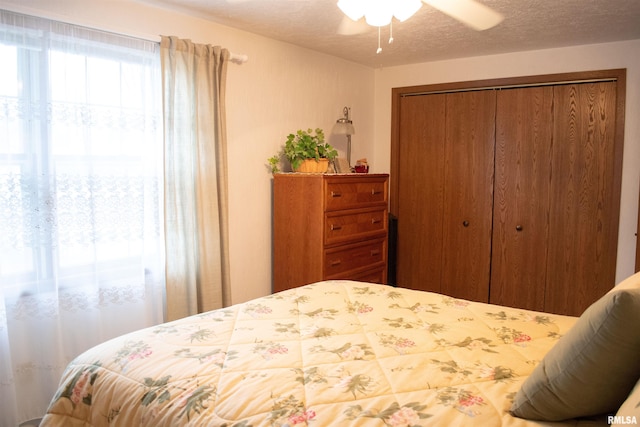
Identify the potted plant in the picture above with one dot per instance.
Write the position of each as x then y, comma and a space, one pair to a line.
306, 151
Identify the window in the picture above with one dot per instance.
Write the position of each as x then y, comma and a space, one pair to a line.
80, 157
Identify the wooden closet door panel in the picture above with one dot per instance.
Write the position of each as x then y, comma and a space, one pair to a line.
583, 229
420, 174
468, 194
524, 130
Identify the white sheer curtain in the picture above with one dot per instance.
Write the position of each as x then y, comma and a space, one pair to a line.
81, 234
197, 271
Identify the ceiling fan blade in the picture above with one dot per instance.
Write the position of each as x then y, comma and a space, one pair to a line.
469, 12
349, 27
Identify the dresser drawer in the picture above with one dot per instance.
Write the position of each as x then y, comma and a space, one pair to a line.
357, 194
355, 256
355, 224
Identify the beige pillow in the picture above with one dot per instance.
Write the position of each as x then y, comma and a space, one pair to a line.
631, 282
629, 412
592, 368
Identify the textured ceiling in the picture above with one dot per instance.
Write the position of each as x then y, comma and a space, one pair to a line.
427, 36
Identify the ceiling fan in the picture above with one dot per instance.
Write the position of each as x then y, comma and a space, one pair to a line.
470, 12
380, 13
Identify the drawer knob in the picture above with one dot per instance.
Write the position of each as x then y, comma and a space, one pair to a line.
336, 194
376, 220
465, 223
336, 263
335, 227
375, 252
374, 191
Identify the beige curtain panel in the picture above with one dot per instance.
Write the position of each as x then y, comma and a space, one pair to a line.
196, 214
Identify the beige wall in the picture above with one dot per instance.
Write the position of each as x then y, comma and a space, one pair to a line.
283, 88
580, 58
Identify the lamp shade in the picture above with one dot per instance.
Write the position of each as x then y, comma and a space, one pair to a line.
343, 127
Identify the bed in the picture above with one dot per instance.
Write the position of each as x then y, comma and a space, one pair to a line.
355, 354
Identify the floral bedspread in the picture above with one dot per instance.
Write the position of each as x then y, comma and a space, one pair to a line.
332, 353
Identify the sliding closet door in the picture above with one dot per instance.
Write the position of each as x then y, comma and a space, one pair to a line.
445, 185
524, 131
546, 228
584, 220
468, 194
421, 184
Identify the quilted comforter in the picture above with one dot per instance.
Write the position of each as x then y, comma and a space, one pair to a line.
331, 353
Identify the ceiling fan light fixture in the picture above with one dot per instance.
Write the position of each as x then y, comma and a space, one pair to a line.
354, 9
405, 9
378, 14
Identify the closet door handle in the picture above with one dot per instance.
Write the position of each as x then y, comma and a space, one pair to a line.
465, 223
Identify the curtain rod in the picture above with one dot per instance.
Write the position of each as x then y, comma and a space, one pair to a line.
238, 58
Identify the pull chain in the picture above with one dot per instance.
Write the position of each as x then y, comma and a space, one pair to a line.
390, 36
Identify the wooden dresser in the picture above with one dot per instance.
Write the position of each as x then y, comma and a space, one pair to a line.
329, 227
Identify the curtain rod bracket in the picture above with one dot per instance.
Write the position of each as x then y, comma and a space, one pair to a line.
238, 58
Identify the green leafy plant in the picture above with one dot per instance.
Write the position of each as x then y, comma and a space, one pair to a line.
303, 145
274, 163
